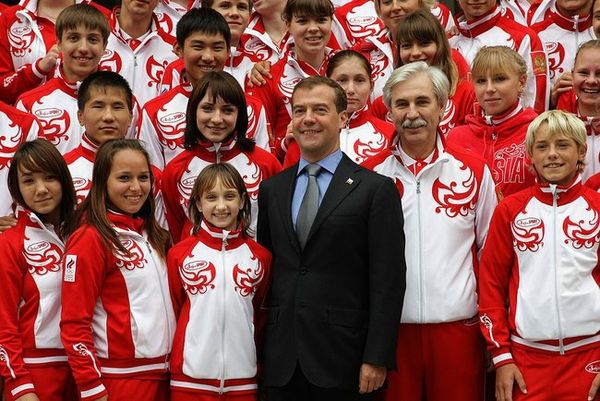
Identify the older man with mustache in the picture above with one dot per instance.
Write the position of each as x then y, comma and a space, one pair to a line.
447, 199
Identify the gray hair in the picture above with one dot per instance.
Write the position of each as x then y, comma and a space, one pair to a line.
439, 80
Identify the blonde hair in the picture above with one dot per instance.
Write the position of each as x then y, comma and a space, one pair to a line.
558, 123
590, 44
495, 59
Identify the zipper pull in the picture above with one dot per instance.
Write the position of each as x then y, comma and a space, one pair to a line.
418, 186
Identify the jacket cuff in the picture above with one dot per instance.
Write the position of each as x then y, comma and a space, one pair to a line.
92, 391
501, 357
20, 386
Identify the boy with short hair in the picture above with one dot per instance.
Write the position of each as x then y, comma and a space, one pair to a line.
82, 32
105, 109
542, 255
203, 40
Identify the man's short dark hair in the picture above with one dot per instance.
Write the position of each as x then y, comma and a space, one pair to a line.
203, 20
103, 80
339, 96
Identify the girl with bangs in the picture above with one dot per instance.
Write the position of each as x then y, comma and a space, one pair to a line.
218, 278
216, 125
583, 100
421, 37
117, 320
497, 130
32, 358
365, 135
309, 24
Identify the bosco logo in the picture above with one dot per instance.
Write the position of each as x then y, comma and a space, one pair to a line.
48, 113
593, 367
189, 182
528, 222
21, 30
79, 182
38, 247
172, 118
366, 20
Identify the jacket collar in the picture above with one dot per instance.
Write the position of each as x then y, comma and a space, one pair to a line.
479, 25
125, 222
546, 192
216, 237
577, 23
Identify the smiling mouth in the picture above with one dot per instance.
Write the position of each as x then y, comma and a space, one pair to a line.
591, 91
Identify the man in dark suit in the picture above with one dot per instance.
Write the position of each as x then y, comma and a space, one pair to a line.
338, 277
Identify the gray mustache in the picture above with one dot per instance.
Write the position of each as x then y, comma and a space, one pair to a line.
418, 123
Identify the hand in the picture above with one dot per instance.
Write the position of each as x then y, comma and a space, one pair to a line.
563, 84
371, 378
28, 397
7, 222
289, 134
594, 388
506, 375
259, 72
48, 62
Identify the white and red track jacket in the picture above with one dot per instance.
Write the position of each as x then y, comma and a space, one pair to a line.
541, 257
218, 282
16, 127
447, 208
54, 104
501, 142
180, 174
257, 43
492, 29
117, 316
444, 15
30, 272
567, 101
163, 123
25, 39
168, 13
523, 11
276, 94
561, 37
363, 137
143, 67
458, 107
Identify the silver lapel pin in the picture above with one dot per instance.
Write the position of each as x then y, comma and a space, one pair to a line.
349, 181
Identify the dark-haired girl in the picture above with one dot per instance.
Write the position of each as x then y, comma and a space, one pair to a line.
32, 358
117, 320
215, 132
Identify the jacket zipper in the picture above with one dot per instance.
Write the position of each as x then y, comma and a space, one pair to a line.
223, 328
554, 190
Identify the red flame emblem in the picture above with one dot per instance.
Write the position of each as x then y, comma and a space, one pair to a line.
369, 145
165, 22
20, 38
246, 279
288, 81
42, 257
528, 233
256, 48
252, 176
585, 231
252, 122
10, 139
456, 197
55, 123
133, 259
154, 71
171, 128
361, 23
555, 53
198, 276
447, 122
111, 61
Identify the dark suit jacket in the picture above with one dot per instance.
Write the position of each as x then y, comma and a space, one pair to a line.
337, 303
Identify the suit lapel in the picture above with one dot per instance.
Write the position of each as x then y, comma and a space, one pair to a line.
342, 183
286, 205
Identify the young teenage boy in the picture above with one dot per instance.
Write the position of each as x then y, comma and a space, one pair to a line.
82, 33
203, 39
539, 301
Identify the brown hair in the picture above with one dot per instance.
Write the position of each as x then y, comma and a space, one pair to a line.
496, 59
40, 156
217, 84
423, 27
343, 55
230, 178
339, 96
94, 207
307, 8
82, 14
